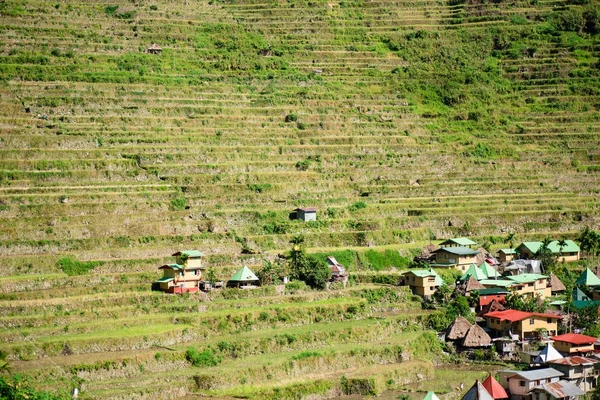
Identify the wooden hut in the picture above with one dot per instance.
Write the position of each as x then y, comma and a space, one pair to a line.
556, 285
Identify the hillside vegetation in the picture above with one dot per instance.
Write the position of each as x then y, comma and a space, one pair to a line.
401, 121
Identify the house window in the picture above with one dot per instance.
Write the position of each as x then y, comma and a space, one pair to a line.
537, 396
522, 383
530, 284
197, 272
549, 320
531, 321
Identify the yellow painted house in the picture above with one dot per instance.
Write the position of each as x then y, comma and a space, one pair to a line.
574, 343
457, 257
183, 276
524, 324
422, 282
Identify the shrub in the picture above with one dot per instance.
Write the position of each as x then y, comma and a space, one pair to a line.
357, 206
292, 117
205, 358
178, 204
71, 266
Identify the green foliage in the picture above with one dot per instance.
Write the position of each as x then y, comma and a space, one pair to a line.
516, 301
19, 388
292, 117
72, 266
178, 204
309, 269
259, 187
379, 261
306, 354
271, 273
586, 319
204, 358
359, 205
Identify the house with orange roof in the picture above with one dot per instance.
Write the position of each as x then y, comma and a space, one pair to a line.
524, 324
573, 343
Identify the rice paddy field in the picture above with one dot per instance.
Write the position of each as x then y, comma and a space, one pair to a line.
401, 121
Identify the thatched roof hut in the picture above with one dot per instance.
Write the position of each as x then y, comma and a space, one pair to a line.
154, 49
458, 329
476, 337
556, 285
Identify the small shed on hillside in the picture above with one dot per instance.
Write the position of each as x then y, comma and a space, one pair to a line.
306, 214
244, 278
494, 388
338, 271
556, 285
154, 49
506, 255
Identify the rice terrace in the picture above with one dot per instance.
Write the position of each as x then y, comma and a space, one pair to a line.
298, 199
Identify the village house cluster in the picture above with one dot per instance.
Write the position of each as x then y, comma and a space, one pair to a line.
566, 367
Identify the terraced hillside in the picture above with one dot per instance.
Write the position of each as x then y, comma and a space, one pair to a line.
401, 121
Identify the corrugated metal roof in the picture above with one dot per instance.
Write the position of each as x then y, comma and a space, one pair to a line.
537, 374
516, 315
526, 278
576, 360
189, 253
560, 389
460, 251
459, 241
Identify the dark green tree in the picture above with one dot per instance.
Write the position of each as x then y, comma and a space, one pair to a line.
271, 273
314, 272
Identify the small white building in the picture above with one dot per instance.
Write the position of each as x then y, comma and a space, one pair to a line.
306, 214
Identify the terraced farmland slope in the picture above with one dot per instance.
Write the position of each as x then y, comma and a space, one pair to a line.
400, 121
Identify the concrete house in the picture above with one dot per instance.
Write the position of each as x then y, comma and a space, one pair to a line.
460, 258
184, 275
458, 242
506, 255
578, 370
520, 383
524, 324
561, 390
574, 343
422, 282
532, 285
306, 214
487, 295
569, 252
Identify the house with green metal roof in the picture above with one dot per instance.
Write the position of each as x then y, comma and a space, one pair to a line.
489, 271
473, 271
588, 278
568, 252
532, 285
506, 255
184, 275
458, 242
454, 257
244, 278
422, 282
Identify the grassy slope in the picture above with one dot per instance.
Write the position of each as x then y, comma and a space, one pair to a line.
483, 115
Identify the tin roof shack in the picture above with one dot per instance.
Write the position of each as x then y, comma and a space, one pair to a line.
548, 354
520, 383
506, 255
574, 343
561, 390
458, 242
338, 271
455, 257
244, 278
306, 214
422, 282
473, 271
569, 252
580, 371
522, 323
184, 275
489, 271
494, 388
154, 49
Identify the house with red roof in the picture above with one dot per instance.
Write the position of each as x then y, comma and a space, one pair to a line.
573, 343
522, 323
494, 388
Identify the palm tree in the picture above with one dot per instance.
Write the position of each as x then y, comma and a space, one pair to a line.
509, 239
561, 243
